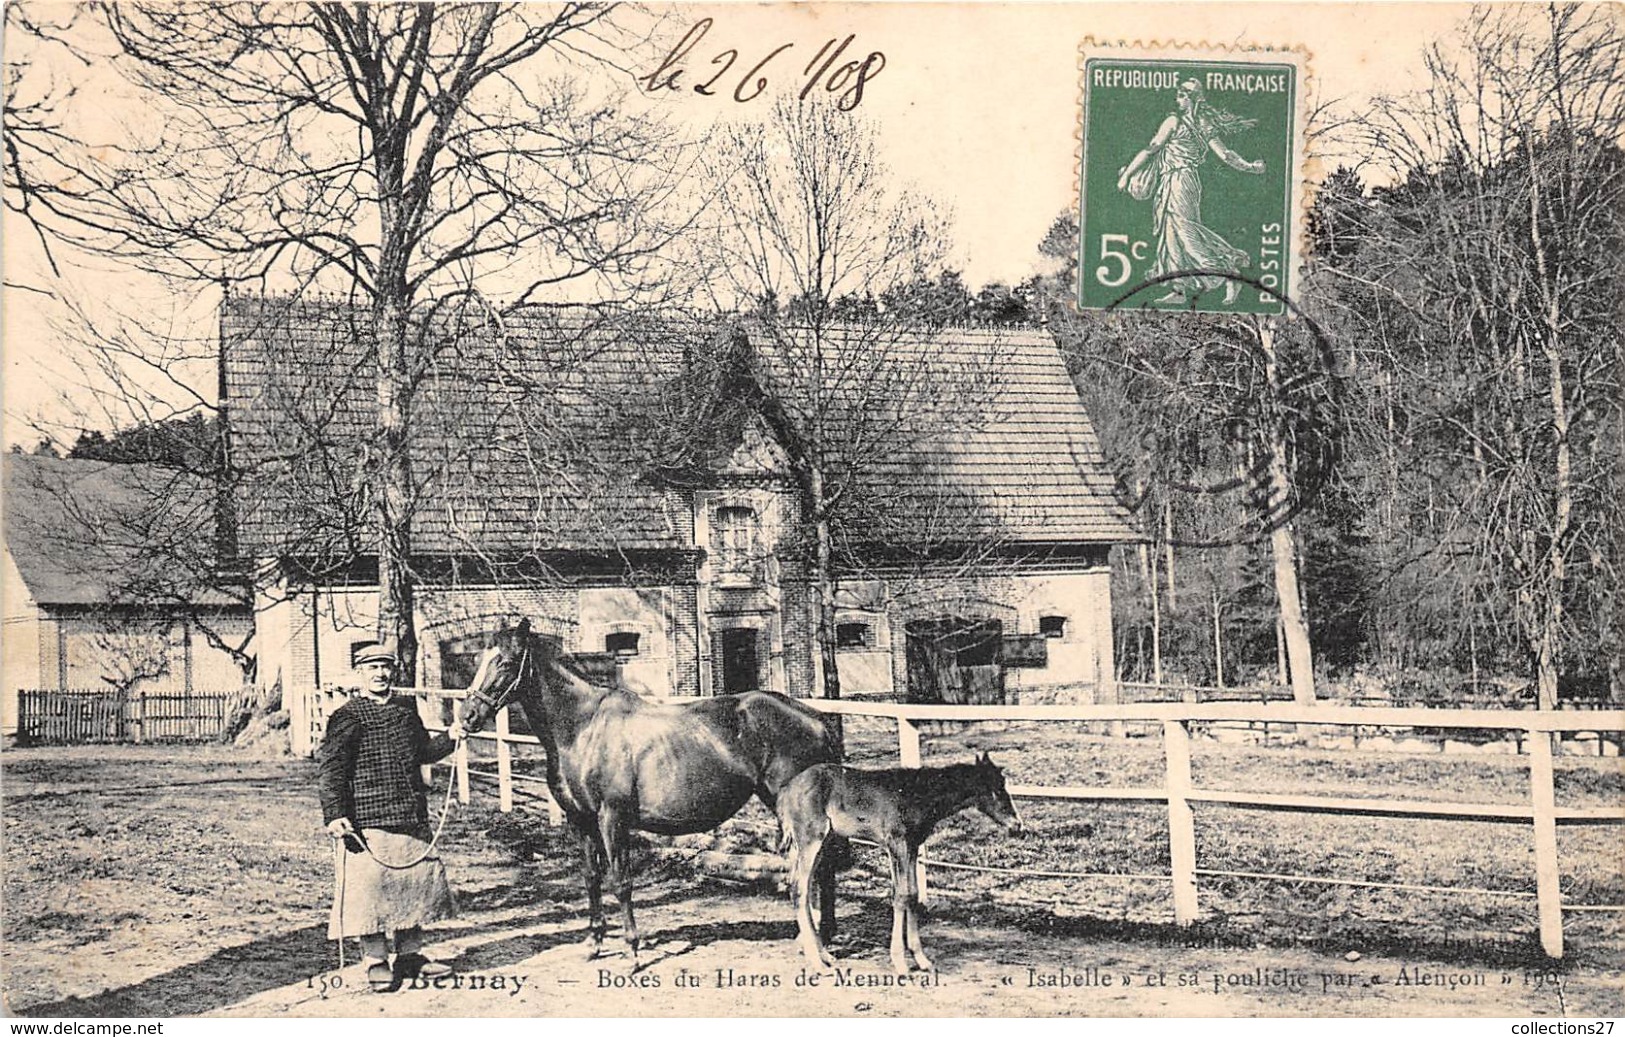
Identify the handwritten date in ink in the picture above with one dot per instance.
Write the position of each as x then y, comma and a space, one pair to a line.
845, 78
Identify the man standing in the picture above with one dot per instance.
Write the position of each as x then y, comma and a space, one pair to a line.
390, 881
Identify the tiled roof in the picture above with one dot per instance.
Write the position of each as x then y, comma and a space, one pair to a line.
514, 430
95, 532
573, 429
976, 433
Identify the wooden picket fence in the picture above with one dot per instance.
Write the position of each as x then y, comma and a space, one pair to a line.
77, 716
1536, 732
180, 718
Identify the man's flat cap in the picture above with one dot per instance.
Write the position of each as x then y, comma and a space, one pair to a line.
377, 653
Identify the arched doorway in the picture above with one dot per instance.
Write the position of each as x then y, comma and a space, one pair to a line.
955, 659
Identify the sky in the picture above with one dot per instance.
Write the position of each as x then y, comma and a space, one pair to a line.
976, 106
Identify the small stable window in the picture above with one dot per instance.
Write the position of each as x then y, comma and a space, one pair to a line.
621, 646
1052, 626
735, 536
853, 635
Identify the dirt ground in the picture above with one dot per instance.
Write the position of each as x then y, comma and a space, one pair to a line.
149, 881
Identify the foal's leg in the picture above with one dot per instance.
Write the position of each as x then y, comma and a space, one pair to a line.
798, 866
617, 846
897, 857
592, 872
912, 935
809, 848
838, 848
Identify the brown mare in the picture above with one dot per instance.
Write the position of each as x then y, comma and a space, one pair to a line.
897, 809
616, 763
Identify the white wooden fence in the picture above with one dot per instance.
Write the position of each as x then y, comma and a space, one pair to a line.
1535, 728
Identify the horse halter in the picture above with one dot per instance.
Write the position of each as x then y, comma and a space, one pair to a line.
496, 702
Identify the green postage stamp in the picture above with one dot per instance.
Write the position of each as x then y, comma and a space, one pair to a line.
1190, 177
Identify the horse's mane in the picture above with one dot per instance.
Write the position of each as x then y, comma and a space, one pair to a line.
581, 665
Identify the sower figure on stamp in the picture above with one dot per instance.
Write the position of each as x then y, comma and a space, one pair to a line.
1166, 171
390, 881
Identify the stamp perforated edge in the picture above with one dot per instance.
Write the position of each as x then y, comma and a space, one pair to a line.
1306, 167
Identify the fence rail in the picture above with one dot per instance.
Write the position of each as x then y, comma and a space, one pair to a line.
1535, 728
49, 716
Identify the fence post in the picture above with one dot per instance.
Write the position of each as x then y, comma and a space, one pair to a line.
504, 764
908, 754
1548, 875
301, 703
1176, 742
460, 764
908, 743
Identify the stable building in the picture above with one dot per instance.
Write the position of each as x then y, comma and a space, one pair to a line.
635, 485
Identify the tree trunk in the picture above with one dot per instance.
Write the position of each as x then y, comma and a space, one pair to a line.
1168, 552
1156, 624
1551, 619
393, 489
829, 673
1294, 623
1281, 671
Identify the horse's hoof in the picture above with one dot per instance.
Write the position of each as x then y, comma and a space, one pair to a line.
591, 949
924, 963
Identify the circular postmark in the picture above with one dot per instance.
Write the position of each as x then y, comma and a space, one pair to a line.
1241, 415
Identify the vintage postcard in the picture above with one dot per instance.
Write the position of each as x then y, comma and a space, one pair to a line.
812, 511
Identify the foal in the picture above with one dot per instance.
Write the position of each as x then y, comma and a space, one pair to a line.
898, 809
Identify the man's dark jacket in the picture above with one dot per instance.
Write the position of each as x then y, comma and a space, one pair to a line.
369, 760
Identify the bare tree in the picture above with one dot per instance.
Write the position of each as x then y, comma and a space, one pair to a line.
37, 96
134, 653
816, 242
397, 156
1494, 274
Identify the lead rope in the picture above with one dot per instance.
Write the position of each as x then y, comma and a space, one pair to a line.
339, 855
445, 812
445, 809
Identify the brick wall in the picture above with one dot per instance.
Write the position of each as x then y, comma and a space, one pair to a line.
580, 618
679, 648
